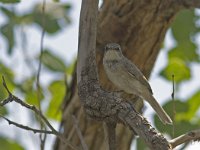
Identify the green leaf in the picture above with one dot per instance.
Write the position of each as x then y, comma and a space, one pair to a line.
180, 124
31, 97
180, 127
8, 13
141, 144
194, 102
31, 94
3, 111
178, 68
9, 77
50, 25
186, 51
53, 14
8, 144
71, 67
194, 105
10, 1
179, 106
184, 25
27, 84
53, 62
8, 32
57, 90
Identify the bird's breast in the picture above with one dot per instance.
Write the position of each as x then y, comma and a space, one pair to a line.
119, 77
115, 74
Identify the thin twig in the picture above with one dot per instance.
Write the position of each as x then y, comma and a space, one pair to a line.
41, 43
24, 104
42, 140
26, 127
12, 98
190, 136
78, 130
41, 51
4, 102
40, 131
174, 105
5, 86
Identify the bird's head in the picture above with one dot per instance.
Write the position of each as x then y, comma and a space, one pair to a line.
112, 46
112, 51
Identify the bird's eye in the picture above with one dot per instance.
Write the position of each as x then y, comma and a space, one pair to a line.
106, 48
117, 48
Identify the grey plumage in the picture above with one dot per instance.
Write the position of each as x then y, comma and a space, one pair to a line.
126, 76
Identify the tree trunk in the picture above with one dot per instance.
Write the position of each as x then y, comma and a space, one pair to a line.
139, 26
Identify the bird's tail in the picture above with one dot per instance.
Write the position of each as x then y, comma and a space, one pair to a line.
159, 110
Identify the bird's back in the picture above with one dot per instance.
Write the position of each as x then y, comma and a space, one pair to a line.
134, 71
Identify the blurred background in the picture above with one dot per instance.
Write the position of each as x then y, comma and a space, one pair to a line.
20, 41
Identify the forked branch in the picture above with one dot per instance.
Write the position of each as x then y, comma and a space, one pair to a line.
53, 131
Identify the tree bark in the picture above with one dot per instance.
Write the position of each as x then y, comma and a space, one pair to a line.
139, 26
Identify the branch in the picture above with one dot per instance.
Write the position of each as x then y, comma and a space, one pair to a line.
190, 136
98, 103
75, 121
137, 123
26, 127
174, 105
87, 38
42, 139
187, 3
40, 131
12, 98
5, 86
110, 133
28, 106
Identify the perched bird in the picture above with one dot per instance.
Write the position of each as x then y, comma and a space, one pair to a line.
127, 77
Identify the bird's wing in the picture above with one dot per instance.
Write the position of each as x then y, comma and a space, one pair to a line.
134, 71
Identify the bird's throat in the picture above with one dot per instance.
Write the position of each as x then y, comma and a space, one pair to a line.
112, 55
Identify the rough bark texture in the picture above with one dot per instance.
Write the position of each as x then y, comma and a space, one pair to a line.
139, 26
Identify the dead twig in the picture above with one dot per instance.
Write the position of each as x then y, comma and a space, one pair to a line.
185, 138
174, 105
26, 127
42, 138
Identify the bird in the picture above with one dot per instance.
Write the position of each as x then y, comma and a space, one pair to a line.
125, 75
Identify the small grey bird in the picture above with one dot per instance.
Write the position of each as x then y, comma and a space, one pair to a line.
127, 77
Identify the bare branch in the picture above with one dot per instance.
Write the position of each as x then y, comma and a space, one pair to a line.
190, 136
78, 130
28, 106
41, 53
40, 131
174, 105
12, 98
42, 139
26, 127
